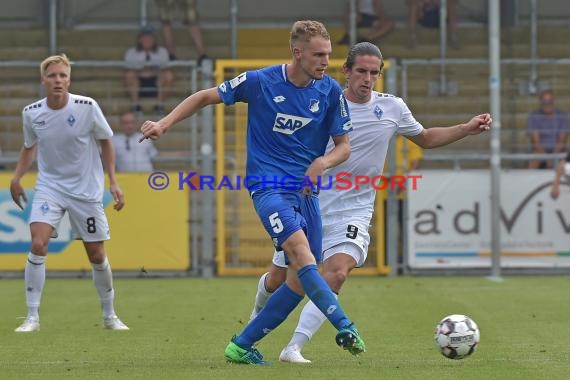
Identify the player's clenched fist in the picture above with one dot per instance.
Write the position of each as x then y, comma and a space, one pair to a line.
151, 130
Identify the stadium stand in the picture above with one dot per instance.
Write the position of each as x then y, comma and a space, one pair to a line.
21, 84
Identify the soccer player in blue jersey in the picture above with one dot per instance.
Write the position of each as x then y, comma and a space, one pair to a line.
293, 111
346, 214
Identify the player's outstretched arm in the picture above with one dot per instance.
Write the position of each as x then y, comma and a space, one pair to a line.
440, 136
555, 191
188, 107
108, 156
25, 161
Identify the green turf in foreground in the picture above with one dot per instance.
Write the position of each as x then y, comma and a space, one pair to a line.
180, 327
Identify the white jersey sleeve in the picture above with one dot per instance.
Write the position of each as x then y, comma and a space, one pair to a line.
408, 125
101, 128
30, 137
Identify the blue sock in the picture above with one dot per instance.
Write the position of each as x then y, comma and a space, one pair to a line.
278, 307
322, 296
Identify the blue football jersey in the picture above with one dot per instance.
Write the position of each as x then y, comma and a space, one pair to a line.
288, 126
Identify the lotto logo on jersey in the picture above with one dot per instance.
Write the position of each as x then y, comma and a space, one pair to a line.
289, 124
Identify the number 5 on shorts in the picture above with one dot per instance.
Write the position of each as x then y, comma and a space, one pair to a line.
276, 223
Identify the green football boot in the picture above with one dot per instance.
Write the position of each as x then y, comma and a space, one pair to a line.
238, 355
349, 339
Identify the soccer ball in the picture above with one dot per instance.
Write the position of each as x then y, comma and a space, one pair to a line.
456, 336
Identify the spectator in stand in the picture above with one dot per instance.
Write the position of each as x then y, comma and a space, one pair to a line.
426, 13
547, 129
147, 73
370, 14
187, 8
130, 156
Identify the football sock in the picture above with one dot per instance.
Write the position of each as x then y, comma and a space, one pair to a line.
262, 293
322, 296
103, 280
278, 307
35, 278
310, 320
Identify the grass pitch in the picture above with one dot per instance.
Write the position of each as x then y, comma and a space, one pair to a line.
180, 327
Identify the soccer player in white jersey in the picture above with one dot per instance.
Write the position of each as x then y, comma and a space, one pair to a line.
346, 215
63, 129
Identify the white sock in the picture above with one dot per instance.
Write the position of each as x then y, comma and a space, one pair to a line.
103, 280
310, 320
35, 278
262, 295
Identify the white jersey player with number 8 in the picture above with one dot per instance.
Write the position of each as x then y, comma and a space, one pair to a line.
63, 129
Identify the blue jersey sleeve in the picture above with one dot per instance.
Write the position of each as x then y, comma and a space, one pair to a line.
339, 121
242, 88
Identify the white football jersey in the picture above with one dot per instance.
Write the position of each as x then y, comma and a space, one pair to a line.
68, 155
374, 123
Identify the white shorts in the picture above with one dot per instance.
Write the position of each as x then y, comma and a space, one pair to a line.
88, 219
347, 248
346, 236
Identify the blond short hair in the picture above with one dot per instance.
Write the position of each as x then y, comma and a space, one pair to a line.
54, 59
303, 31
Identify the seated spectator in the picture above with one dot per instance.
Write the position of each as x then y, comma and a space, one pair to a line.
147, 74
547, 129
426, 12
130, 155
187, 9
370, 14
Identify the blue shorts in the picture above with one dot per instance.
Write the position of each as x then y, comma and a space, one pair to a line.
284, 212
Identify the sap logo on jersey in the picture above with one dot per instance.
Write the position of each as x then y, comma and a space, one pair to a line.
289, 124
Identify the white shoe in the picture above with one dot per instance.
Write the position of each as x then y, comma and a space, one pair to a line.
114, 323
292, 354
29, 325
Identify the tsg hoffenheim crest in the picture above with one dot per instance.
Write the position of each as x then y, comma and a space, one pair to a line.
314, 106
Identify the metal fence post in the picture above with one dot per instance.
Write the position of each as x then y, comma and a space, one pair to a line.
392, 199
207, 152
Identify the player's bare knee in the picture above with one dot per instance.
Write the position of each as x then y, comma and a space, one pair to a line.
95, 252
275, 278
335, 278
96, 258
300, 256
39, 246
271, 284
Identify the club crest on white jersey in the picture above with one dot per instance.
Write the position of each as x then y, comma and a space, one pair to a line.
378, 112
